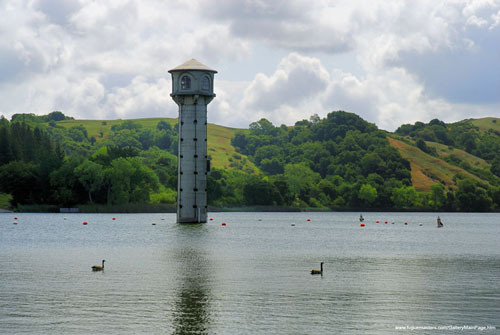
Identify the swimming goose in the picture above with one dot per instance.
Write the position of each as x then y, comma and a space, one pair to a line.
99, 268
318, 272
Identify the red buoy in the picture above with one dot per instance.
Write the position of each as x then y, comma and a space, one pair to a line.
84, 222
385, 222
15, 218
308, 219
377, 221
223, 224
362, 225
406, 223
211, 219
113, 219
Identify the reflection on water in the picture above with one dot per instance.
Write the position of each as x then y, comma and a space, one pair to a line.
192, 306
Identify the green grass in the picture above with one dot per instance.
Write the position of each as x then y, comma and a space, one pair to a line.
223, 154
484, 124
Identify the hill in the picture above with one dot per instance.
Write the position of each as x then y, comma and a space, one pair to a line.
223, 154
339, 162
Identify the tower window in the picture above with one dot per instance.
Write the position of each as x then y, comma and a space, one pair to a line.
185, 83
205, 83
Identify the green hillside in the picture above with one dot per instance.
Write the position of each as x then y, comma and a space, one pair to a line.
220, 150
338, 162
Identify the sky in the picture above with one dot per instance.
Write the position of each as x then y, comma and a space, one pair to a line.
391, 62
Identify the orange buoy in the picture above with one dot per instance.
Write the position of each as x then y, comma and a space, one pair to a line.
223, 224
362, 225
84, 222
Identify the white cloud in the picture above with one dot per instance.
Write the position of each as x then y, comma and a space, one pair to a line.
415, 60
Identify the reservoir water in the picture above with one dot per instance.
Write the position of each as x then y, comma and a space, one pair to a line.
251, 276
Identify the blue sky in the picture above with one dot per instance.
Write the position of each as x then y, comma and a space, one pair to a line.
391, 62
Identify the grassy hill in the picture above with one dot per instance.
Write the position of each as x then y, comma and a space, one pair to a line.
427, 170
487, 123
221, 151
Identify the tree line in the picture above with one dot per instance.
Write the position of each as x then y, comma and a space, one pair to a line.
339, 162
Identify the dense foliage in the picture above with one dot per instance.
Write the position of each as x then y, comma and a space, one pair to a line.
338, 162
49, 164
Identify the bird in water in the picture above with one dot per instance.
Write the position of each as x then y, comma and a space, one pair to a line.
318, 272
98, 267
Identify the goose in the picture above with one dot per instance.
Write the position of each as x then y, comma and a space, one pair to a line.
99, 268
318, 272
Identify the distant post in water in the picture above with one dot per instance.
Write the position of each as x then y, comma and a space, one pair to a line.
192, 91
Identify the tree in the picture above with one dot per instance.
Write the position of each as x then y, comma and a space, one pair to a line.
404, 197
91, 176
300, 178
368, 194
56, 116
472, 197
258, 191
262, 127
19, 179
163, 125
438, 196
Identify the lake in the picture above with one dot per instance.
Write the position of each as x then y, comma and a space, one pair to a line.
251, 276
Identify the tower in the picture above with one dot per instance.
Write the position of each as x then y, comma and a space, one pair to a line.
192, 91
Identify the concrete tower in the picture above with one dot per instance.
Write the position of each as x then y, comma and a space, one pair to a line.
192, 90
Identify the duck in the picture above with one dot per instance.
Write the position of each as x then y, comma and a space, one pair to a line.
99, 268
318, 272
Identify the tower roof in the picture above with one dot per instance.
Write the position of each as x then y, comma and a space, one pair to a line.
192, 64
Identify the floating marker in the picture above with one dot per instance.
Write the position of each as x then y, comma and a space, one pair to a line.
377, 221
223, 224
15, 218
308, 219
85, 222
406, 223
211, 219
362, 225
385, 222
113, 219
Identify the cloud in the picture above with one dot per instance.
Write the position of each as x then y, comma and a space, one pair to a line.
298, 24
407, 60
296, 80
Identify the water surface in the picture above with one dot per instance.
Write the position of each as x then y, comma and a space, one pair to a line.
251, 276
